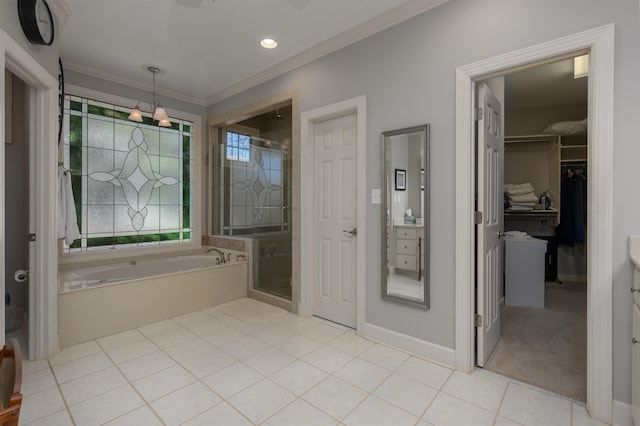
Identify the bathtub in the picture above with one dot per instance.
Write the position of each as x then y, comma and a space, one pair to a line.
98, 301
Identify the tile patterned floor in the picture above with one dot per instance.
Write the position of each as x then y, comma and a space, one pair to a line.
207, 368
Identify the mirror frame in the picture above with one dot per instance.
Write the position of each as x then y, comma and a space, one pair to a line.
387, 186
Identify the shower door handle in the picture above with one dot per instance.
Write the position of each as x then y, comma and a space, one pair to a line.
353, 232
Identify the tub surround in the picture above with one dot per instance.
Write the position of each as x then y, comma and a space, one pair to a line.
90, 312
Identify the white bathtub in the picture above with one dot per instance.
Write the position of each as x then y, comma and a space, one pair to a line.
98, 301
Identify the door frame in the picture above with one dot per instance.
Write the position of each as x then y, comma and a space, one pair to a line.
43, 136
600, 44
308, 215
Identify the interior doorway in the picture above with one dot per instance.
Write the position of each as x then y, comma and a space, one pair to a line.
600, 43
543, 297
17, 176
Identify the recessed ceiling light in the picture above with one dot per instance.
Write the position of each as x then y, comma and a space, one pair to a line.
268, 43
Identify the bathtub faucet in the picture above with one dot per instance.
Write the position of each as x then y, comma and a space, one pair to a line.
219, 252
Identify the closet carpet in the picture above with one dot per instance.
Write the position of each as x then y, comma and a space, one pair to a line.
547, 347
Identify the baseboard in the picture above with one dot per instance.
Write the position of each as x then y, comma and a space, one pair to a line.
432, 352
622, 414
567, 277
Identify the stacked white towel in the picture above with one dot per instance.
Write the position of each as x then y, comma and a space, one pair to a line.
521, 196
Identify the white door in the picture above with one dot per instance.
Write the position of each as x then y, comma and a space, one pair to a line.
334, 274
490, 203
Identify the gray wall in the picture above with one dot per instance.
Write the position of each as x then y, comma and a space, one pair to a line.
47, 56
408, 75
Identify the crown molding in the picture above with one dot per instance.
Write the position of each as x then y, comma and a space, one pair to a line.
375, 25
104, 75
61, 11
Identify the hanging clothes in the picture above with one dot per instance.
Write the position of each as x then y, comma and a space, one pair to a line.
573, 211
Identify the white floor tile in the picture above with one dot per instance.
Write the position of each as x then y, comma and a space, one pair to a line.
60, 418
269, 361
501, 421
29, 367
384, 356
159, 327
365, 375
92, 385
328, 358
75, 352
296, 323
425, 372
323, 333
245, 347
221, 414
108, 406
124, 338
220, 336
299, 345
142, 416
41, 404
192, 319
585, 420
145, 365
133, 350
37, 381
480, 389
185, 403
293, 414
335, 397
189, 348
232, 379
261, 401
171, 337
298, 377
163, 382
274, 334
407, 394
351, 344
81, 367
208, 363
374, 411
446, 410
183, 367
533, 407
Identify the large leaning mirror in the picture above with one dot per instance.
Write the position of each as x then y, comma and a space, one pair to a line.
405, 233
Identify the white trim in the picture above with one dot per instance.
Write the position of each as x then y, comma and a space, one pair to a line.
43, 135
307, 120
599, 347
199, 163
430, 351
392, 17
622, 414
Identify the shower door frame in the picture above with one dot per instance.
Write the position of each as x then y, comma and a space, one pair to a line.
213, 158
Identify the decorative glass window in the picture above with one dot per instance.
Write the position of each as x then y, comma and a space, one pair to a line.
131, 181
238, 146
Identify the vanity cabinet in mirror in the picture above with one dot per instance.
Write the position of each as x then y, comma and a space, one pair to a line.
405, 201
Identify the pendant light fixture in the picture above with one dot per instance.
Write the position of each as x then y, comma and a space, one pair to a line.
159, 114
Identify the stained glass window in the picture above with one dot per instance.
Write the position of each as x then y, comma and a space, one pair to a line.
131, 181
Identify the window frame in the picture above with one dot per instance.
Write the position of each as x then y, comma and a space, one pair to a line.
70, 259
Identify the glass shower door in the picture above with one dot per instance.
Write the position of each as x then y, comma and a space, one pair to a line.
255, 180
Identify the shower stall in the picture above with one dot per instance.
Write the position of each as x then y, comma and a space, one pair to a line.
253, 173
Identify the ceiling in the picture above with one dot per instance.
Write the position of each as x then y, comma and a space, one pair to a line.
209, 50
550, 84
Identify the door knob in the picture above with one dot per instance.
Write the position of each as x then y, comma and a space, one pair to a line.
501, 234
353, 232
